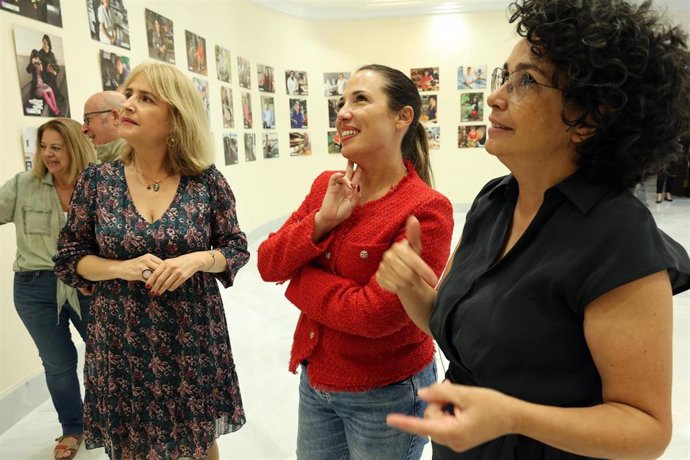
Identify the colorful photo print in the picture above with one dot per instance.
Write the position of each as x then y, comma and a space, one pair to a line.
298, 113
196, 53
333, 142
334, 83
471, 136
426, 78
249, 147
268, 112
114, 71
230, 149
296, 83
247, 110
245, 73
433, 134
270, 145
333, 108
471, 107
160, 36
300, 145
108, 22
202, 87
47, 11
472, 77
266, 78
226, 106
223, 64
429, 107
42, 73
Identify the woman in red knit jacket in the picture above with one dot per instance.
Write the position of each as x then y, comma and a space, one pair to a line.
360, 355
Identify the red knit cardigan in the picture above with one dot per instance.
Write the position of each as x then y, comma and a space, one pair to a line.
354, 335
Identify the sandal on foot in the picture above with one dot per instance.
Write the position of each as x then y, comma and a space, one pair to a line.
61, 448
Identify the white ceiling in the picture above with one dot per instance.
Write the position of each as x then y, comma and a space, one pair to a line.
365, 9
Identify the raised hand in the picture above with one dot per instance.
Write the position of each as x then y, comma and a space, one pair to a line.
341, 198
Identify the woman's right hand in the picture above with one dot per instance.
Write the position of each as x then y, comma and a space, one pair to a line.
342, 196
133, 269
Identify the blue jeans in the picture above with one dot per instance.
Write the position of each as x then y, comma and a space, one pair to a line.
336, 425
35, 300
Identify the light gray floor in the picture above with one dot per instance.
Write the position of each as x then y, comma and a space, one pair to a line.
261, 323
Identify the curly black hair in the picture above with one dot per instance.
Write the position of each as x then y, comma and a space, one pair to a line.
624, 70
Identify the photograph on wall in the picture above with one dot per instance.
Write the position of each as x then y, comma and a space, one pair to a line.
270, 145
333, 108
472, 77
223, 64
429, 106
471, 107
247, 110
433, 134
47, 11
298, 113
226, 106
230, 149
114, 71
29, 135
268, 112
333, 142
249, 147
266, 78
202, 87
334, 83
296, 83
196, 53
244, 72
42, 73
108, 22
300, 145
160, 36
426, 78
471, 136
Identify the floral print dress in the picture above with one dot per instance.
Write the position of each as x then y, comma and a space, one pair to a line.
159, 374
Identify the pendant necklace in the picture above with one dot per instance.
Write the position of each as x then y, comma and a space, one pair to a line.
155, 185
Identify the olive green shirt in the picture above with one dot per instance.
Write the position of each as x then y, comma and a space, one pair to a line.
33, 205
111, 151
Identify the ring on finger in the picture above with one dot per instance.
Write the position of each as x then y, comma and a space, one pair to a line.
146, 273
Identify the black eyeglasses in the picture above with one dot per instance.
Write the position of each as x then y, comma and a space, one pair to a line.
519, 82
88, 115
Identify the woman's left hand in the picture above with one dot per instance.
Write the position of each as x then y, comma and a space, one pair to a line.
171, 273
460, 417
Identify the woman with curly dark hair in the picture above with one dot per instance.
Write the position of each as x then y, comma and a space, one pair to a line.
556, 309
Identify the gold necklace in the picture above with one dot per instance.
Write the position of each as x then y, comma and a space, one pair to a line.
155, 185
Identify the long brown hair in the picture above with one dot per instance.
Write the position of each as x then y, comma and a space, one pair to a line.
79, 146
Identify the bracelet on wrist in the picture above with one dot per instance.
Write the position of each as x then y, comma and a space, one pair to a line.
213, 264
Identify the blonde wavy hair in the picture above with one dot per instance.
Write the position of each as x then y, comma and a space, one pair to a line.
192, 153
78, 146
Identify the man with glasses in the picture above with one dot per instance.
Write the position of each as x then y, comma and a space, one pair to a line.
101, 123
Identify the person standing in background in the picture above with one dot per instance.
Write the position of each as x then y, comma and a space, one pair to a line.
101, 124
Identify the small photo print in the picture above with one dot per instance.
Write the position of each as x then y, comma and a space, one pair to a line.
296, 83
196, 53
298, 113
223, 64
47, 11
249, 147
426, 78
202, 87
471, 136
226, 106
268, 112
108, 22
333, 108
300, 145
266, 79
270, 145
472, 77
471, 107
429, 107
114, 71
160, 36
244, 71
433, 134
247, 110
333, 142
230, 149
334, 83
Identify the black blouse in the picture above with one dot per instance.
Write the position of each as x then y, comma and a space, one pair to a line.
516, 324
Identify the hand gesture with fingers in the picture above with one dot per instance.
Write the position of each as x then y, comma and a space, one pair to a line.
139, 268
171, 273
342, 196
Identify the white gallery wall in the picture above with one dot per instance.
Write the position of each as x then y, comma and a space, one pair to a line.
267, 189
